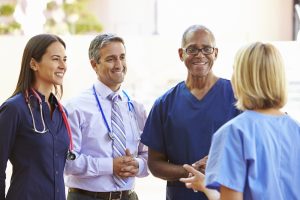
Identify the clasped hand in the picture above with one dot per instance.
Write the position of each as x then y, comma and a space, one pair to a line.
196, 177
125, 166
201, 164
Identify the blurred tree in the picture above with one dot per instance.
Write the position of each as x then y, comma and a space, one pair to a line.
8, 25
71, 17
7, 9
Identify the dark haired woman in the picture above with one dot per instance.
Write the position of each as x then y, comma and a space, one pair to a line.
34, 133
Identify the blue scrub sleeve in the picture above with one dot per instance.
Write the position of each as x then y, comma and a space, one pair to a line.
153, 133
226, 162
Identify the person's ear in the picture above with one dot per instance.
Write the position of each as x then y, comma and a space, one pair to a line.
216, 53
33, 64
181, 54
93, 64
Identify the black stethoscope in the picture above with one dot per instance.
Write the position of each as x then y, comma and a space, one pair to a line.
130, 108
70, 154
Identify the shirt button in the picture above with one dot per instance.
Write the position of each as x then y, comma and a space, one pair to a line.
56, 172
57, 190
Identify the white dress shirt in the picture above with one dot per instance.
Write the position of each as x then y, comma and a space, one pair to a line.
92, 169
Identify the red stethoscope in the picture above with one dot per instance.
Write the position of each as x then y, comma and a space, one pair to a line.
70, 154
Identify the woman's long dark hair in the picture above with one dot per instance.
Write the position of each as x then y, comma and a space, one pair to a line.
35, 48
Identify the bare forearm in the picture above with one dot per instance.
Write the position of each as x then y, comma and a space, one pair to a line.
212, 194
167, 171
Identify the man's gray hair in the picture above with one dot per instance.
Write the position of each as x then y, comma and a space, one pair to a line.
100, 41
193, 29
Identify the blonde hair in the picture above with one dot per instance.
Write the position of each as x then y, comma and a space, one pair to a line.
259, 77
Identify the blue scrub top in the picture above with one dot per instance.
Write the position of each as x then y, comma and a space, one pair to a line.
181, 127
257, 154
38, 160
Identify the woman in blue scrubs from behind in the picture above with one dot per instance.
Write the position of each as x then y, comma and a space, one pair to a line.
255, 156
33, 133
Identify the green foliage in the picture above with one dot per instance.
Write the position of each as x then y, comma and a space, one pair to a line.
84, 22
8, 24
87, 24
52, 5
50, 22
7, 10
9, 28
76, 7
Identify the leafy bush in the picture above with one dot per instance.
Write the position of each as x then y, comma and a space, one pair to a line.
87, 24
9, 28
77, 19
7, 10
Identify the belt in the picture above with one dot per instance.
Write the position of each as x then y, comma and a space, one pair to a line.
117, 195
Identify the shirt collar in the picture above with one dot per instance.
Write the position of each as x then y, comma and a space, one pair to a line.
104, 91
52, 98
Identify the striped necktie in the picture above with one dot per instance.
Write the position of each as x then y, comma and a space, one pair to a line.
118, 131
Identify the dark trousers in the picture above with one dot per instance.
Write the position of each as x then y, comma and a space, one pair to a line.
78, 196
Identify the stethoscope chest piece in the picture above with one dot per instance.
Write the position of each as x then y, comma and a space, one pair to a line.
111, 135
71, 155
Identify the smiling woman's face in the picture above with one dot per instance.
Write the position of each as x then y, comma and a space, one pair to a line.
52, 67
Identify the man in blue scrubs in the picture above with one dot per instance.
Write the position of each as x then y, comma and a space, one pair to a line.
182, 121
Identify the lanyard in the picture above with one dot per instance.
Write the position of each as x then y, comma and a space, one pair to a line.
130, 107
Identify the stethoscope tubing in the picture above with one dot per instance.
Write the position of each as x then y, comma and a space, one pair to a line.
130, 108
67, 124
41, 113
64, 116
101, 110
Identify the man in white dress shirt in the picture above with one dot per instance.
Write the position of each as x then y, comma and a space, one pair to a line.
92, 175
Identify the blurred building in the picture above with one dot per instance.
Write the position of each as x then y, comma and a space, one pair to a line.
232, 19
236, 20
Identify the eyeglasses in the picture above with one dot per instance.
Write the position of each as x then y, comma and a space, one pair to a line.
193, 51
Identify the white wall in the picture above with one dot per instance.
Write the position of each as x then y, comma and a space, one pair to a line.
154, 67
125, 16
